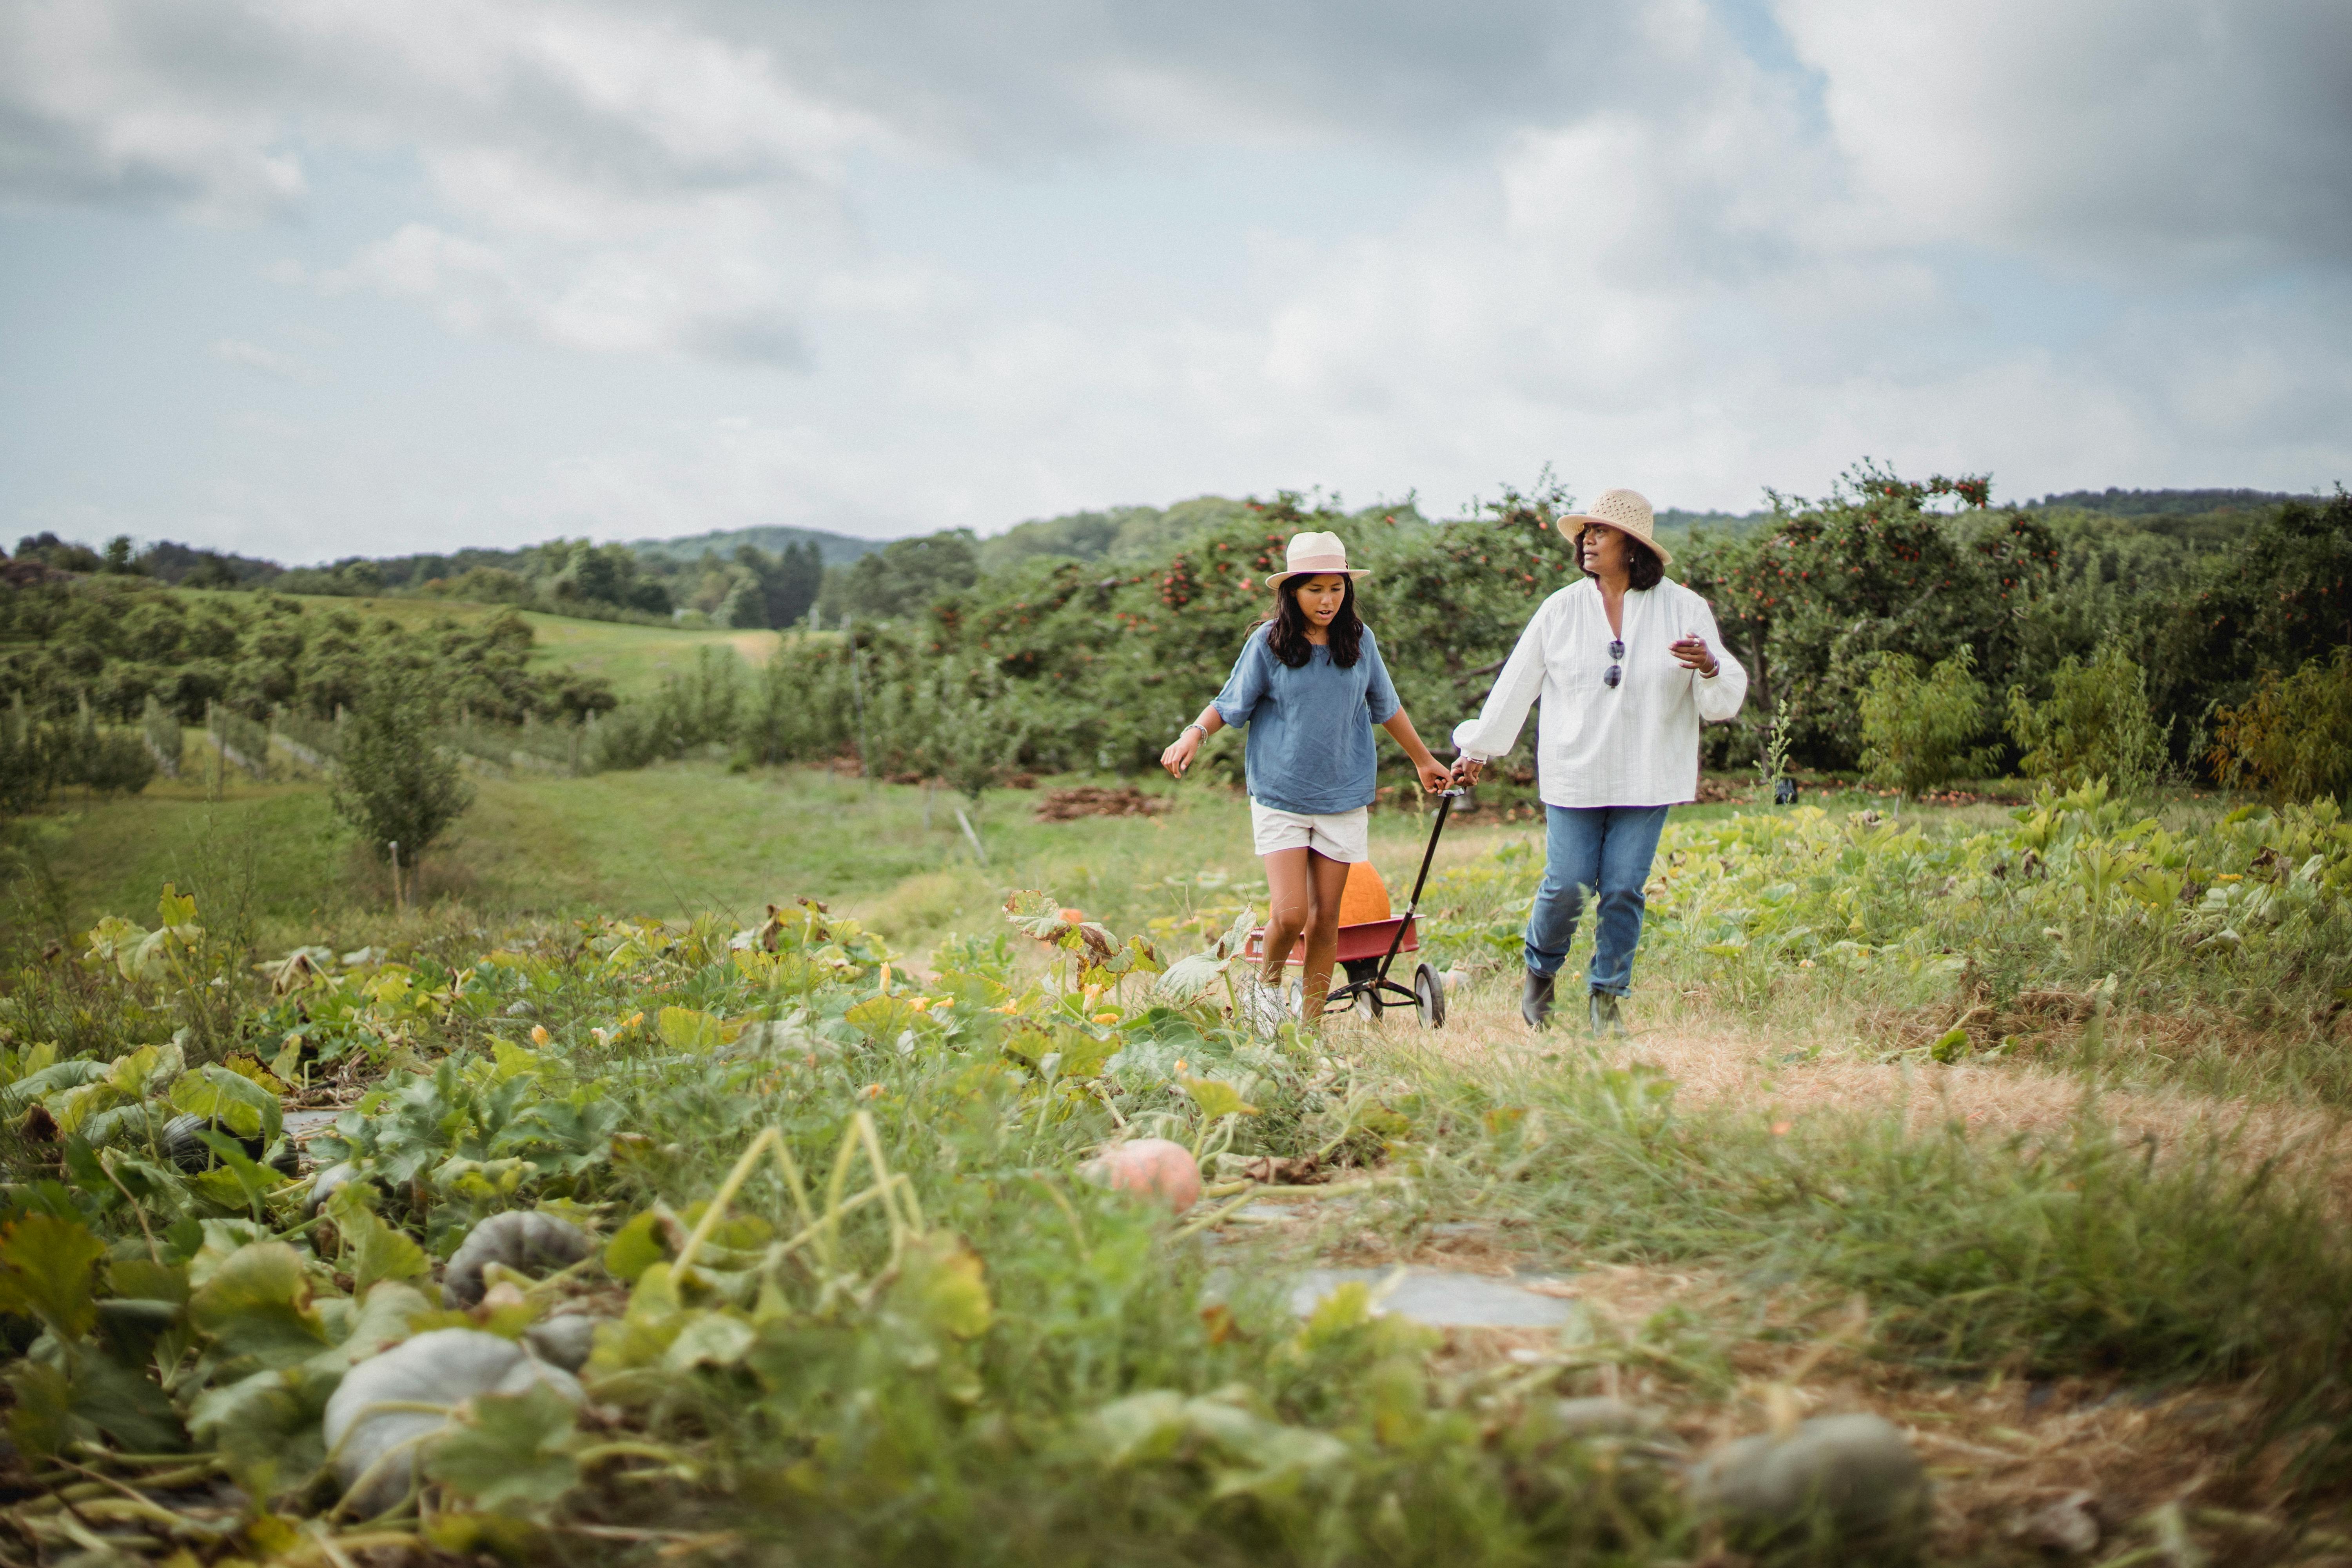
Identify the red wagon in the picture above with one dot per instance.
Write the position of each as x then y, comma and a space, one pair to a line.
1367, 948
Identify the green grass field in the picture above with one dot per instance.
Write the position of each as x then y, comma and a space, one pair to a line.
2067, 1212
634, 657
683, 837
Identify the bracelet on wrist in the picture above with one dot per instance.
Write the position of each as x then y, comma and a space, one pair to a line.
1188, 728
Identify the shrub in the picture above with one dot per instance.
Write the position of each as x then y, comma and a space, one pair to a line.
2094, 725
109, 761
1916, 732
1812, 600
975, 736
395, 786
161, 728
692, 710
2292, 737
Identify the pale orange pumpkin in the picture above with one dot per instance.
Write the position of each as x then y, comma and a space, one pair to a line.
1153, 1167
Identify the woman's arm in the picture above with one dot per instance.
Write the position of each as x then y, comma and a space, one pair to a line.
1179, 757
1720, 691
1435, 774
1496, 729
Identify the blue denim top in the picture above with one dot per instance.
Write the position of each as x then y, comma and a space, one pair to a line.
1310, 729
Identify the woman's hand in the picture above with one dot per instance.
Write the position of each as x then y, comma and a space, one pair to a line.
1179, 757
1693, 654
1466, 770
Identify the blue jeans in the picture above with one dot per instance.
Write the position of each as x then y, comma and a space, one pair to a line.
1606, 848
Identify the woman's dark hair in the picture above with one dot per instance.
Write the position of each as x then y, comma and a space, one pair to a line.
1642, 567
1287, 634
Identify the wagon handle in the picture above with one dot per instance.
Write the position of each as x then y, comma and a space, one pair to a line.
1445, 798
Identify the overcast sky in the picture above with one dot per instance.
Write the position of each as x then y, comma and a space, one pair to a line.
315, 277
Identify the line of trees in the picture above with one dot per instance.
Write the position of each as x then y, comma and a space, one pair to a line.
2034, 639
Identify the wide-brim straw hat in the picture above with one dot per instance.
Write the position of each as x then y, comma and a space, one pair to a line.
1314, 555
1627, 511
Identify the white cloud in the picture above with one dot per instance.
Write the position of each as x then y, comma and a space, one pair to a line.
2086, 244
2211, 134
253, 356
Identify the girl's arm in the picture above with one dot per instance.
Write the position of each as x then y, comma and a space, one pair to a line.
1435, 774
1179, 757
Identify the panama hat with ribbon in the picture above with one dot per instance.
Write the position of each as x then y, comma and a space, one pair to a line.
1314, 555
1627, 511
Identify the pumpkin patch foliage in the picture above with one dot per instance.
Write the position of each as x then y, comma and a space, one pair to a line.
633, 1238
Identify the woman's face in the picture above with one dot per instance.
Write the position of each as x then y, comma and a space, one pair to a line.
1320, 596
1605, 554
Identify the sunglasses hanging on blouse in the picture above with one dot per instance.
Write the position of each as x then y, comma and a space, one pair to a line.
1616, 671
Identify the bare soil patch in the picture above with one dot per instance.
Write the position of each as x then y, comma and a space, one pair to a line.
1094, 800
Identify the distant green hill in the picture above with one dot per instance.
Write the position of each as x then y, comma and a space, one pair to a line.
1117, 533
2160, 503
834, 548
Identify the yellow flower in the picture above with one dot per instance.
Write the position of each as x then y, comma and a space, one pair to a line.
539, 1035
1805, 963
1180, 1063
873, 1092
1106, 1017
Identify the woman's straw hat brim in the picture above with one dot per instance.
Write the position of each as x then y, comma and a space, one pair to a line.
1316, 555
1627, 511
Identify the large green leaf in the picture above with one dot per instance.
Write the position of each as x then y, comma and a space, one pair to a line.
257, 1303
238, 1103
40, 1416
942, 1286
45, 1273
686, 1029
1191, 976
636, 1247
1216, 1097
265, 1427
709, 1338
372, 1249
882, 1019
514, 1453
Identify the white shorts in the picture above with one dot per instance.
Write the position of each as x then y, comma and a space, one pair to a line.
1335, 835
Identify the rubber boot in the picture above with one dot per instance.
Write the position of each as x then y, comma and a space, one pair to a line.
1535, 999
1606, 1018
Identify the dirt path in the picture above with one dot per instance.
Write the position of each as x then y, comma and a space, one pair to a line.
1790, 1082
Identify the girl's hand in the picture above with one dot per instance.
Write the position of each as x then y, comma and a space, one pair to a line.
1179, 757
1466, 770
1435, 775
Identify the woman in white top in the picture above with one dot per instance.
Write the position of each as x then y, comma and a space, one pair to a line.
1627, 663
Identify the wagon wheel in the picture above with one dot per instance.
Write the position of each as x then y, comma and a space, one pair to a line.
1429, 997
1365, 972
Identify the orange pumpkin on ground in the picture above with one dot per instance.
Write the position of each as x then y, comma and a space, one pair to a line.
1151, 1167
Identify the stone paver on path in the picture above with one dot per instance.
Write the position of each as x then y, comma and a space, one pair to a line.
1440, 1298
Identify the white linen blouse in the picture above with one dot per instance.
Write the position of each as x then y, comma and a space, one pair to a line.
1636, 744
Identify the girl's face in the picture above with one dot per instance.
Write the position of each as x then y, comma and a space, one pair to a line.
1604, 551
1320, 596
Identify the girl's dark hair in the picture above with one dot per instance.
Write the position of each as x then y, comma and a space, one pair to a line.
1286, 631
1642, 567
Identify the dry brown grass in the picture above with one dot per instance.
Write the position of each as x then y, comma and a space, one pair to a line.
1826, 1066
2000, 1451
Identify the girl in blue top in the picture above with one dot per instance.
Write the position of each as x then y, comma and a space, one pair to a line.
1310, 685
